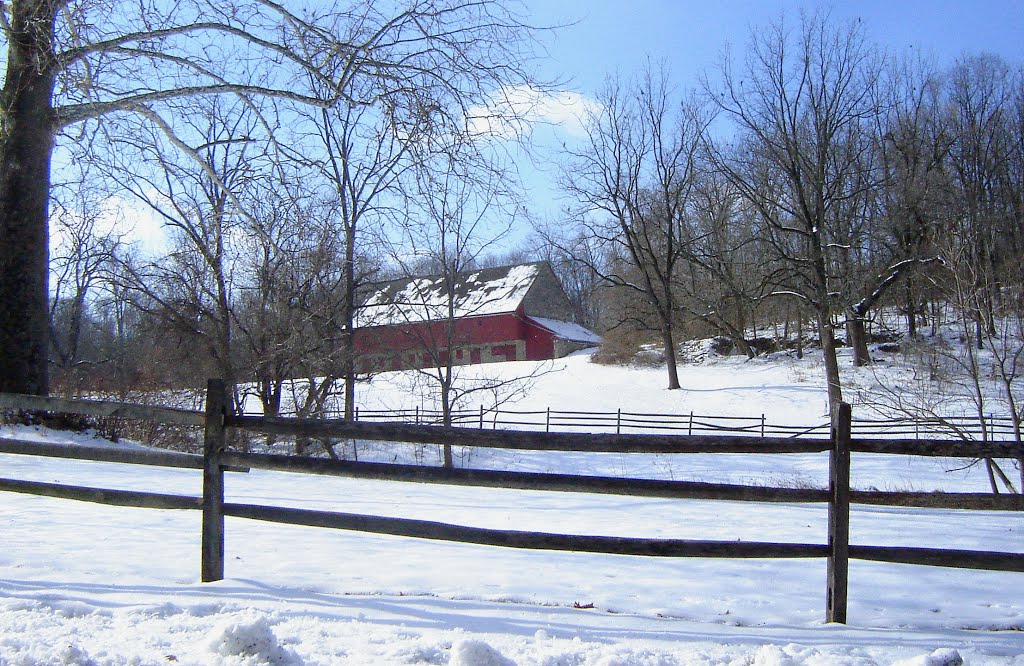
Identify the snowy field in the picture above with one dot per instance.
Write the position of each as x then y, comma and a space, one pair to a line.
85, 584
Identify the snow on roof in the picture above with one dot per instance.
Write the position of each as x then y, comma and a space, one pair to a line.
567, 330
484, 292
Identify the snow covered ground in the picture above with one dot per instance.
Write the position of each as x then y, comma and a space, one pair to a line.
85, 584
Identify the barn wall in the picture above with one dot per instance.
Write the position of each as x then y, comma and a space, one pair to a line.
540, 343
423, 344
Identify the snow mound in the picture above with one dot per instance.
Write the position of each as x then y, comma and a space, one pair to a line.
252, 640
72, 655
800, 655
469, 652
940, 657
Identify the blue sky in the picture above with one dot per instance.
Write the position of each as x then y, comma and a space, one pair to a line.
610, 35
604, 37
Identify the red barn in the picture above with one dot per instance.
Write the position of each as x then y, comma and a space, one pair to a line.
512, 313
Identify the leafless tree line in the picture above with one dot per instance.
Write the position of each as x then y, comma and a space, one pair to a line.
294, 154
811, 177
284, 152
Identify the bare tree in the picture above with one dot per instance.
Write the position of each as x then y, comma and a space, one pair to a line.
802, 103
74, 62
914, 144
291, 300
578, 262
981, 96
362, 154
462, 203
959, 369
200, 173
287, 308
634, 180
85, 252
71, 62
725, 273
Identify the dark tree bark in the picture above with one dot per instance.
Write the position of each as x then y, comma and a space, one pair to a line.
670, 357
857, 338
26, 140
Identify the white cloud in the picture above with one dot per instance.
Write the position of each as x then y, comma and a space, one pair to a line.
513, 112
130, 222
142, 228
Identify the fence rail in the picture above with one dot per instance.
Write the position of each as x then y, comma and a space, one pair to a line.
990, 428
217, 459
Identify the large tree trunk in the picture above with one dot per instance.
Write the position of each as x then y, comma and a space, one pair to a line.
670, 356
348, 350
828, 349
446, 411
911, 305
744, 347
26, 145
857, 338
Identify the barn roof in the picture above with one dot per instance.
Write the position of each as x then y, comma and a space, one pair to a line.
568, 330
487, 291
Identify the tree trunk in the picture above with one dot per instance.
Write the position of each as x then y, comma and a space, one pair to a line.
270, 396
26, 146
670, 357
857, 338
348, 350
991, 476
911, 305
446, 411
828, 351
799, 333
270, 391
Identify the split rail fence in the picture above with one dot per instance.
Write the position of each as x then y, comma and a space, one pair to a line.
968, 428
216, 459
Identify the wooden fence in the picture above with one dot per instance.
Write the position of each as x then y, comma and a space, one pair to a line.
968, 428
216, 459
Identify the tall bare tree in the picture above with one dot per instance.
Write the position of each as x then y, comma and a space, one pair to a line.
288, 303
981, 120
802, 105
72, 62
197, 177
914, 143
725, 273
85, 254
461, 203
362, 154
634, 180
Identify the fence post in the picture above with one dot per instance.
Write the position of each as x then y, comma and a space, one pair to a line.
839, 516
481, 416
762, 425
618, 422
213, 482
